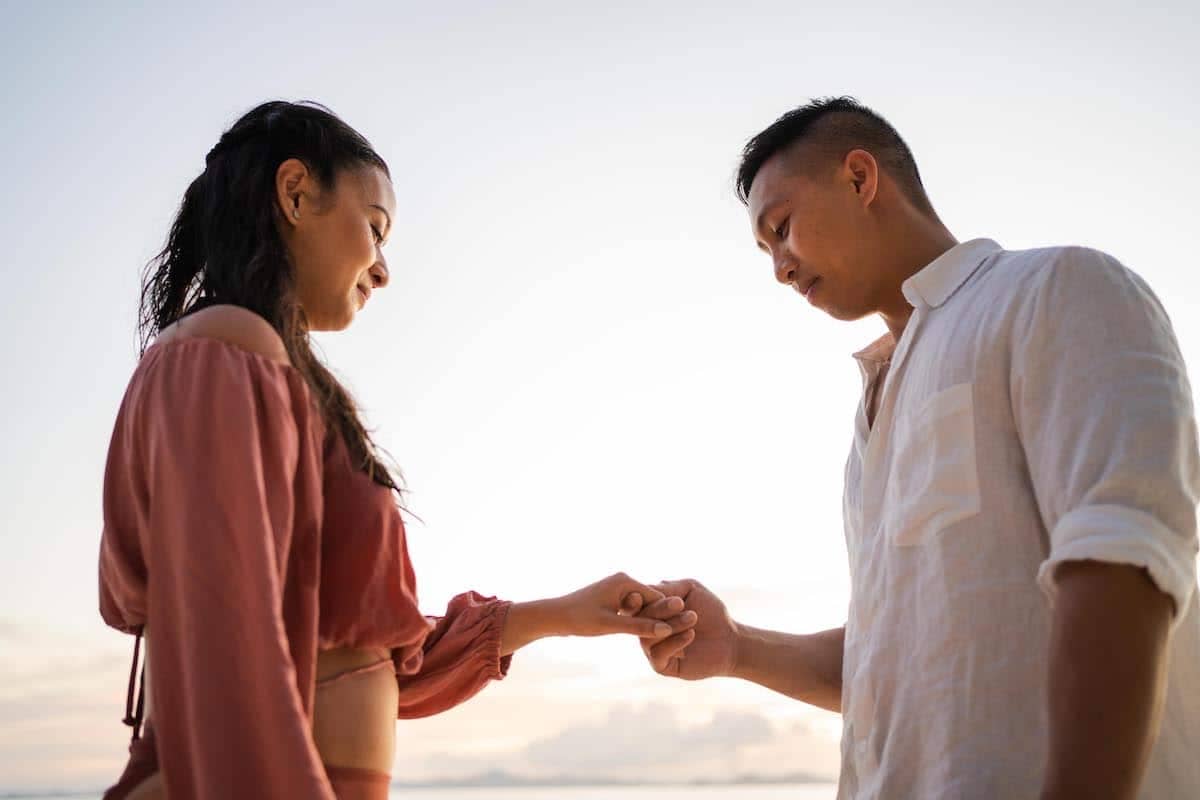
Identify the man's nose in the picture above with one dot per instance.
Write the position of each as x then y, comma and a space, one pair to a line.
785, 270
379, 273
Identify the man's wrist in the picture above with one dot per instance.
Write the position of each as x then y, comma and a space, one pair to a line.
744, 651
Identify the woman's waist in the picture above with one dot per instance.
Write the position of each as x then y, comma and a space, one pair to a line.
342, 662
355, 707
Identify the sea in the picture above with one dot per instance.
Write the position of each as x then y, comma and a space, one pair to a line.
800, 791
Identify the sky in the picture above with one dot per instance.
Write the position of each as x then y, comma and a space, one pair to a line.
582, 362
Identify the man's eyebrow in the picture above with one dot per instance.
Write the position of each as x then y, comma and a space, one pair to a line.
386, 214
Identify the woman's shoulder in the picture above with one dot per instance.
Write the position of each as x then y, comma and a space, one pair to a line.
229, 325
223, 362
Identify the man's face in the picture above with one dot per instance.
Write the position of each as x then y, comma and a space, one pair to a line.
817, 226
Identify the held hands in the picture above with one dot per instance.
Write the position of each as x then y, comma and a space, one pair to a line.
611, 605
607, 606
704, 649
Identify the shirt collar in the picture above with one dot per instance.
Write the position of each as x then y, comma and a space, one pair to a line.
878, 352
935, 283
873, 358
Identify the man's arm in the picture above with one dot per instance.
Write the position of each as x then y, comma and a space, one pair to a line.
804, 667
1108, 656
1106, 420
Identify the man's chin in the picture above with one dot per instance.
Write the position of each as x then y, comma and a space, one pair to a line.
843, 314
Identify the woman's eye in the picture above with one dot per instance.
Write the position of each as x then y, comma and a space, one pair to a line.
378, 235
782, 230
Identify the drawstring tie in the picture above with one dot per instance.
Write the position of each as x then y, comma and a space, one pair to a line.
133, 716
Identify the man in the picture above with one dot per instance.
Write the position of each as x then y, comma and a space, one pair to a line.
1019, 498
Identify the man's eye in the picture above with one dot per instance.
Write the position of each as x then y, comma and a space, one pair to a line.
378, 235
782, 230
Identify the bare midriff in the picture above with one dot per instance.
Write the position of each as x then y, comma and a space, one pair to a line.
354, 714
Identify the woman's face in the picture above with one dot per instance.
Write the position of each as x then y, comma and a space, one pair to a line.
335, 238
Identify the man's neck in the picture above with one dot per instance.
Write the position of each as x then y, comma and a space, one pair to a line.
915, 246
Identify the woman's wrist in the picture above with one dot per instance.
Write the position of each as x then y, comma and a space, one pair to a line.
528, 622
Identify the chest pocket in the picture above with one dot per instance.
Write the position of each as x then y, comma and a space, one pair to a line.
934, 478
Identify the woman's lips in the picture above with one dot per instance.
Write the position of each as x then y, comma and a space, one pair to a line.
365, 294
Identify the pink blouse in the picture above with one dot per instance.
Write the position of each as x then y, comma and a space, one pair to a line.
247, 540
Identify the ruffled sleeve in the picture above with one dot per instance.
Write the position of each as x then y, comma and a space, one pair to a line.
460, 656
212, 501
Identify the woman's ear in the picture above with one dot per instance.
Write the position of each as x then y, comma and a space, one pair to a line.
292, 184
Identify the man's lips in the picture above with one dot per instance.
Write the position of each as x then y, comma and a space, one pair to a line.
805, 287
363, 292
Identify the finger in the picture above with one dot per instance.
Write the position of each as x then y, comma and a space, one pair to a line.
638, 626
663, 609
679, 588
653, 595
669, 648
626, 585
683, 622
632, 604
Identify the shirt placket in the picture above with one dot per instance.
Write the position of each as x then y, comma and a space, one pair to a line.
869, 594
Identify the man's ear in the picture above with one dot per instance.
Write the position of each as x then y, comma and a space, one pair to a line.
862, 171
293, 197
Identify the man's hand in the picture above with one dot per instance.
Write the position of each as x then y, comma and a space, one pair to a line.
704, 651
804, 667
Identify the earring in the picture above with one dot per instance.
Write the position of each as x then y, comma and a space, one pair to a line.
295, 213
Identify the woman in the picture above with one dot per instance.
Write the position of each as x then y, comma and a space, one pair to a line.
251, 532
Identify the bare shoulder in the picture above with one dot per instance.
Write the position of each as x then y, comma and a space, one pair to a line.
232, 325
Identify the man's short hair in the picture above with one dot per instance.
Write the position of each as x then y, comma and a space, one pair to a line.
835, 126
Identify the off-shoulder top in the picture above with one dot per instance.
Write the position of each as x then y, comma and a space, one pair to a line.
245, 537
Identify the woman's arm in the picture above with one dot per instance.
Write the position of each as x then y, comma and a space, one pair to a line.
218, 539
473, 643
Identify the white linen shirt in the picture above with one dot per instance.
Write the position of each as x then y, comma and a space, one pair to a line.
1036, 410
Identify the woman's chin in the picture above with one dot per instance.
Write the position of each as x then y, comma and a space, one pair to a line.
333, 320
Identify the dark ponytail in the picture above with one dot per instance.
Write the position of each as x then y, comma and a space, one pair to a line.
169, 287
224, 247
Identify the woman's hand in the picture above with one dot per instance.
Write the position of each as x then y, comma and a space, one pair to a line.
605, 607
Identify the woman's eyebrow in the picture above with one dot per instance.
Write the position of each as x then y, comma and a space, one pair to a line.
386, 214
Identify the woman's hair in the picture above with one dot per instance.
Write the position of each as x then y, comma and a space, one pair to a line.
225, 247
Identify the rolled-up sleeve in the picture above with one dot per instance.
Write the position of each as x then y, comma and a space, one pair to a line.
1104, 412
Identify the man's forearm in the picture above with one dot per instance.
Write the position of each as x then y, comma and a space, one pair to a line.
804, 667
1107, 680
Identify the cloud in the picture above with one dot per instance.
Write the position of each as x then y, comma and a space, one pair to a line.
11, 631
648, 737
61, 704
652, 743
60, 712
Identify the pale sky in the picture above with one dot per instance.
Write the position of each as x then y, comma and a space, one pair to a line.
582, 363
